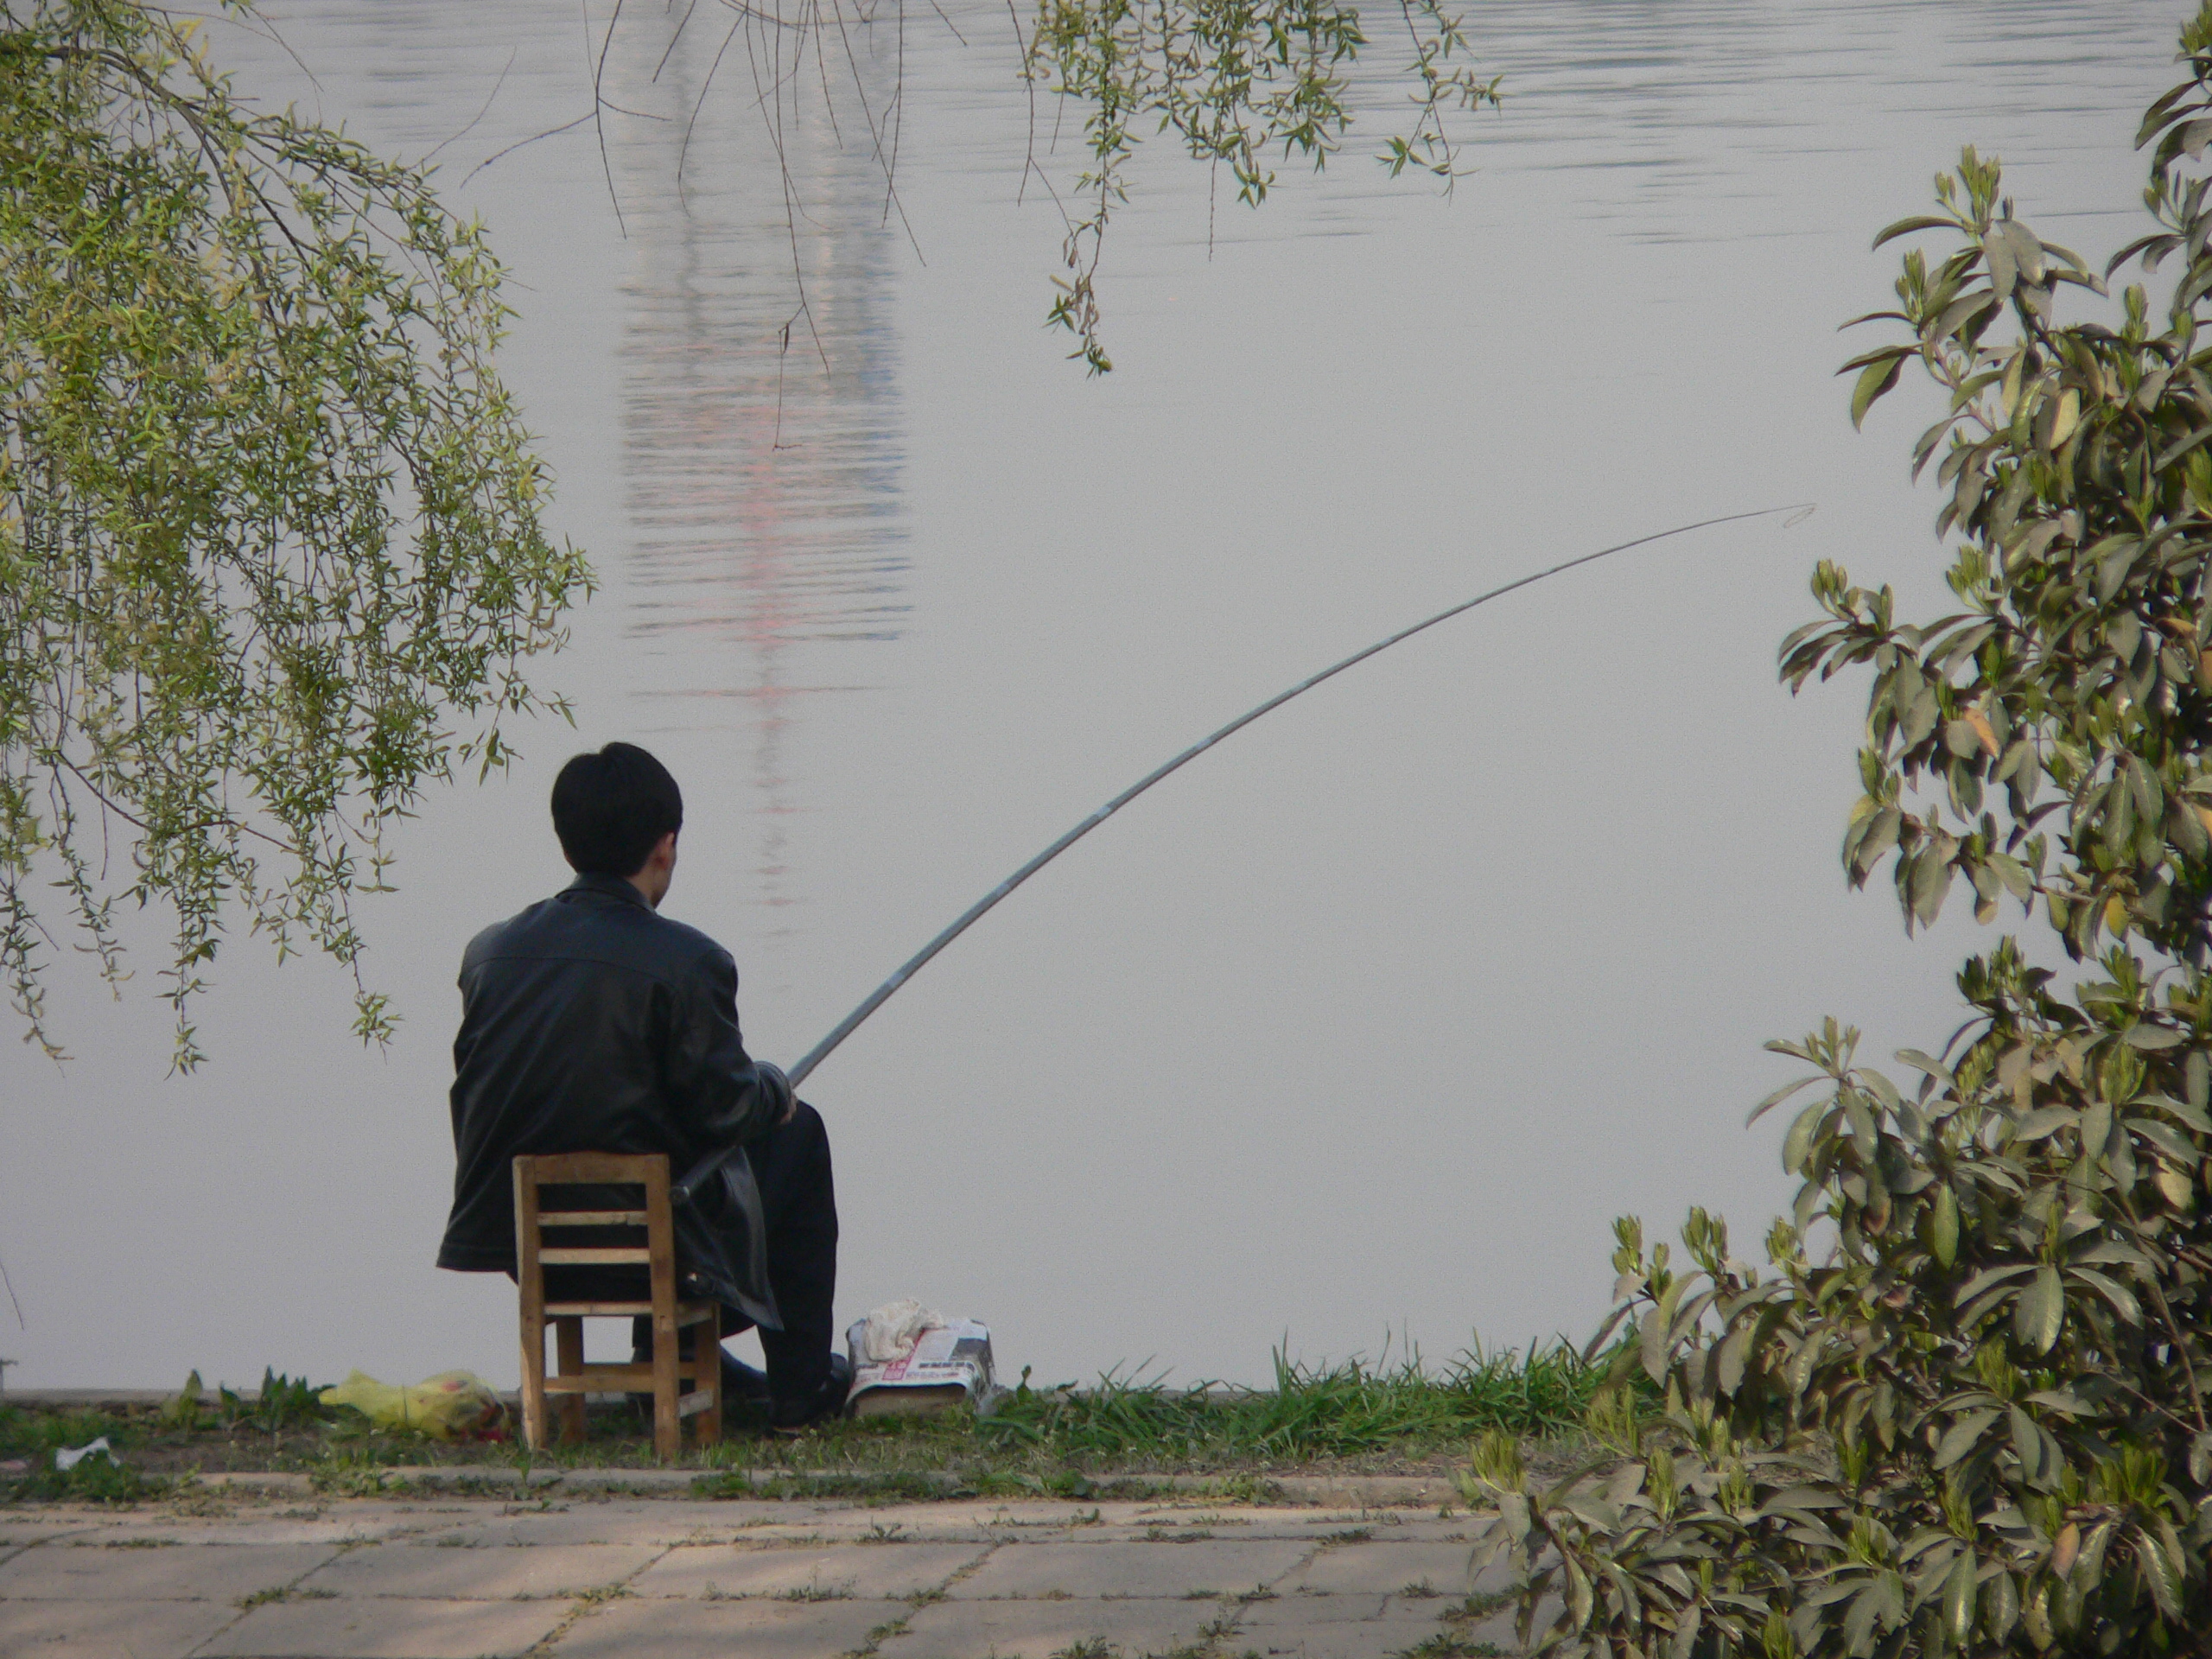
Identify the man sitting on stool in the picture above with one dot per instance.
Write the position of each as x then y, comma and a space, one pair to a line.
590, 1024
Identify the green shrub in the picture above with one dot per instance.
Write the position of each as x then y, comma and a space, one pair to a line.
1969, 1415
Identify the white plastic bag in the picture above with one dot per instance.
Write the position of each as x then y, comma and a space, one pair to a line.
68, 1457
894, 1329
449, 1406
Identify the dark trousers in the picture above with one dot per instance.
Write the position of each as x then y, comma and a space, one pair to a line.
798, 1199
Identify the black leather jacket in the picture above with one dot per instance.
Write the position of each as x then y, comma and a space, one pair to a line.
591, 1024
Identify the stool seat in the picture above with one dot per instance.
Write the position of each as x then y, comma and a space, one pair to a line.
573, 1377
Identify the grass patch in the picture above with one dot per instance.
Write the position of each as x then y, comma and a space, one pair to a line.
1111, 1440
1312, 1413
95, 1480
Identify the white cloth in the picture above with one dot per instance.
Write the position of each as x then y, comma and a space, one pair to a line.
895, 1328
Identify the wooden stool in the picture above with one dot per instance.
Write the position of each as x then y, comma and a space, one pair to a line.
656, 1255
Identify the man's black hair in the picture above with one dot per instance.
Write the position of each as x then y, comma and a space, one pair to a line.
611, 809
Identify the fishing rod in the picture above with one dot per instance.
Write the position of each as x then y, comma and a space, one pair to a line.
682, 1190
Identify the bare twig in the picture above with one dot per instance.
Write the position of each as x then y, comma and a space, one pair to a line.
549, 132
599, 105
480, 114
673, 39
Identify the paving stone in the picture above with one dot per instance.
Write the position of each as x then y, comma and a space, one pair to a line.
480, 1574
46, 1524
668, 1628
955, 1521
1229, 1566
1445, 1568
863, 1570
1295, 1608
1276, 1525
110, 1630
1417, 1529
220, 1572
388, 1628
1037, 1630
631, 1522
1373, 1491
289, 1524
1291, 1630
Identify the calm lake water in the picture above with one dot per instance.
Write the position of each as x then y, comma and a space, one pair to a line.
1361, 1030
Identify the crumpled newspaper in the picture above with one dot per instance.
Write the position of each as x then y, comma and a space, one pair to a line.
895, 1328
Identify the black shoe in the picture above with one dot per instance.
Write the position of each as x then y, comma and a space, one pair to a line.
743, 1385
828, 1401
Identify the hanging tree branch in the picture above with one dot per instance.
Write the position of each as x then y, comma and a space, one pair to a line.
270, 561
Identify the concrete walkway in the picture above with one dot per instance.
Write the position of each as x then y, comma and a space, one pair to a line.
440, 1578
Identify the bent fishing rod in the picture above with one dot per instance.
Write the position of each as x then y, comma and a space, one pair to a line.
682, 1190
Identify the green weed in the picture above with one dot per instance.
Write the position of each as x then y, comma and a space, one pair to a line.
1481, 1605
282, 1593
884, 1632
818, 1593
282, 1402
1443, 1646
353, 1471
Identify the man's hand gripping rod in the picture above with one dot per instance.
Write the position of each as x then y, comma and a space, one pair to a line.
704, 1170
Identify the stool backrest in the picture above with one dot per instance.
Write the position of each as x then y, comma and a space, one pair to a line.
532, 1219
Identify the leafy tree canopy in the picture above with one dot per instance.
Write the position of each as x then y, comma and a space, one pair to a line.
271, 557
1971, 1417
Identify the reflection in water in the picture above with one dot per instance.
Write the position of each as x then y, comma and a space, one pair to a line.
1702, 121
761, 410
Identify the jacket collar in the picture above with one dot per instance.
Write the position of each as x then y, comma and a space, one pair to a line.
608, 886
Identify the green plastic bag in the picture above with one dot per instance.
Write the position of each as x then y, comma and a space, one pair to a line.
453, 1405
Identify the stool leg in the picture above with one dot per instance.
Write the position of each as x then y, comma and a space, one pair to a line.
533, 1375
708, 1350
667, 1424
569, 1333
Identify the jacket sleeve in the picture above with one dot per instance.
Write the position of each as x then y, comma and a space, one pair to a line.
723, 1096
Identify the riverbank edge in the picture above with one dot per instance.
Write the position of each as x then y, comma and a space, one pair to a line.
1318, 1491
